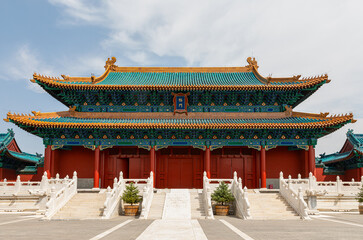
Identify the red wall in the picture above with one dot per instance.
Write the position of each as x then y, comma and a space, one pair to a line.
78, 159
320, 177
33, 177
9, 174
289, 162
352, 173
13, 146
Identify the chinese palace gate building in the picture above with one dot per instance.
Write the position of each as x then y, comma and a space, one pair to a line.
179, 122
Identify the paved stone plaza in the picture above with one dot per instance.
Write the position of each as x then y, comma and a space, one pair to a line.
326, 226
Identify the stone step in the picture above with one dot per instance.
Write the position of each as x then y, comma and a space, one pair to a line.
83, 206
270, 206
177, 204
196, 206
157, 206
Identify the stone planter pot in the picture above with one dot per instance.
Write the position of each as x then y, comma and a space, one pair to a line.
131, 210
360, 208
222, 210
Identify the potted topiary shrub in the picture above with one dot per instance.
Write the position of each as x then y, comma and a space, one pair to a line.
223, 196
131, 196
360, 200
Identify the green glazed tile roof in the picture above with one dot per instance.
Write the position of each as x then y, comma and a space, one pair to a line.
180, 121
356, 140
180, 79
334, 157
25, 156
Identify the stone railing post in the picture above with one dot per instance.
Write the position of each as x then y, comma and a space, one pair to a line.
299, 176
17, 185
115, 184
108, 193
289, 182
5, 185
44, 183
310, 181
152, 178
339, 185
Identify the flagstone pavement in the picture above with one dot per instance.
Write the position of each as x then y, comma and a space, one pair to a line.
326, 226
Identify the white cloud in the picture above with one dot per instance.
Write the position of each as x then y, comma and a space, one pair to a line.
22, 65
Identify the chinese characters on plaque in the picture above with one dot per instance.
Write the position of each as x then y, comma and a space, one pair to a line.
180, 102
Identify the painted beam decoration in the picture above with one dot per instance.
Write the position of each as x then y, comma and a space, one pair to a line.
180, 102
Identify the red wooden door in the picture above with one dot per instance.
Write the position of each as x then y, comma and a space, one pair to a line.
249, 172
237, 166
174, 173
244, 166
225, 165
180, 173
113, 166
186, 172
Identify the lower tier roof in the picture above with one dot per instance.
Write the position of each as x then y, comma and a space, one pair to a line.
69, 120
25, 157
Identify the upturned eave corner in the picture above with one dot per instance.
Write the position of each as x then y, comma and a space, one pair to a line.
253, 67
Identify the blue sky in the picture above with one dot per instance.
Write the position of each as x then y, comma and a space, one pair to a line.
75, 37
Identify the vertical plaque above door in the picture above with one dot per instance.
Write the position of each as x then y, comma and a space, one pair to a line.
180, 101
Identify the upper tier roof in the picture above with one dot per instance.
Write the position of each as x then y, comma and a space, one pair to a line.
180, 78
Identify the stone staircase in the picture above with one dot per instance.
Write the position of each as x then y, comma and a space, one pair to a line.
266, 206
83, 205
196, 205
177, 204
29, 204
157, 206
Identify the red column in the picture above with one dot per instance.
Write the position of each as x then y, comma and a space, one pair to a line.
96, 179
47, 159
207, 161
152, 162
258, 169
312, 159
306, 163
263, 166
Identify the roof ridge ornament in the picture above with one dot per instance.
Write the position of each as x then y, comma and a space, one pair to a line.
252, 63
110, 63
65, 77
